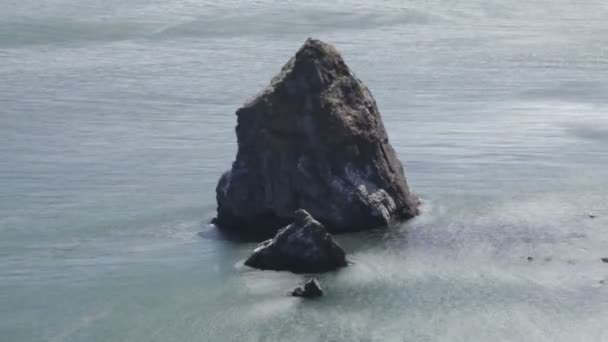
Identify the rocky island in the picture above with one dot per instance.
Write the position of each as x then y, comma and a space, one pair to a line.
302, 247
313, 139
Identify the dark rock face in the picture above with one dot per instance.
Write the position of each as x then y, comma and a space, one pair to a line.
311, 289
313, 139
302, 247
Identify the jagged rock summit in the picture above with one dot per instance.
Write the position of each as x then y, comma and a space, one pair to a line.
304, 246
313, 139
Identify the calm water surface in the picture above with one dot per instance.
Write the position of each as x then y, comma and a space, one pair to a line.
117, 118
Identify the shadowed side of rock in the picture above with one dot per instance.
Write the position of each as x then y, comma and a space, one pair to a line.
313, 139
304, 246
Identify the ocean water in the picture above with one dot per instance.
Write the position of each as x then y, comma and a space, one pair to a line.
117, 119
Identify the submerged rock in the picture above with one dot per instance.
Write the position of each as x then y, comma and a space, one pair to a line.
311, 289
605, 260
313, 139
302, 247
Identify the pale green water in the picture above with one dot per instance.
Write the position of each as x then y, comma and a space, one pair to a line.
117, 118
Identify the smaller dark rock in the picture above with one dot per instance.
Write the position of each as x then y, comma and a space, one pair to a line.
605, 260
530, 258
304, 246
311, 289
602, 282
591, 215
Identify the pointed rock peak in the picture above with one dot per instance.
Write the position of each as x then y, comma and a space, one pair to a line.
315, 50
314, 68
302, 217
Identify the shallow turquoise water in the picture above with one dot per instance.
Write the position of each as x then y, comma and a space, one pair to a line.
117, 118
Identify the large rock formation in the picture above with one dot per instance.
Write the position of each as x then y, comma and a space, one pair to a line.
302, 247
313, 139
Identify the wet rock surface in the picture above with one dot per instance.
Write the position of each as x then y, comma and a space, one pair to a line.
311, 289
304, 246
313, 139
